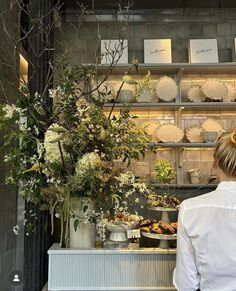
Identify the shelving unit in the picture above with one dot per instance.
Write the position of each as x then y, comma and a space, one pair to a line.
180, 109
173, 68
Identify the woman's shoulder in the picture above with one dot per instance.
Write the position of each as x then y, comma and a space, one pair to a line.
204, 200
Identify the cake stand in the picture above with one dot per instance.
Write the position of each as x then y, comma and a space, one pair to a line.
164, 238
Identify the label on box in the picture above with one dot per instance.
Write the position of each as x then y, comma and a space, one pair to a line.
157, 51
133, 233
203, 51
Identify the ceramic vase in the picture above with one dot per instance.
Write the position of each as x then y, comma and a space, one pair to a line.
84, 235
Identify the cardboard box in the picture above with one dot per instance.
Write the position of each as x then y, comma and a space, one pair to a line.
111, 48
203, 51
157, 51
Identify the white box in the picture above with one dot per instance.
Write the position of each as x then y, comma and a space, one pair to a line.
157, 51
111, 49
203, 51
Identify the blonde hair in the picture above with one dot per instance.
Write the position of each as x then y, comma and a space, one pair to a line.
225, 152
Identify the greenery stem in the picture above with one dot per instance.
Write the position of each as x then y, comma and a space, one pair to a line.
62, 157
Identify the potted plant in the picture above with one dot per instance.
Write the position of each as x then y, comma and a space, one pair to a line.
144, 91
163, 173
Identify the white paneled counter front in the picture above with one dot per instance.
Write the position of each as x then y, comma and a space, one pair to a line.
138, 269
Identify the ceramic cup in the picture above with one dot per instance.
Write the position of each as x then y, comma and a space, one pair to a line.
209, 136
195, 176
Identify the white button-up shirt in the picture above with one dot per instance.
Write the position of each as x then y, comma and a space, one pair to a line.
206, 245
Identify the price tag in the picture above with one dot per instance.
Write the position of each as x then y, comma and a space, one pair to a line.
133, 233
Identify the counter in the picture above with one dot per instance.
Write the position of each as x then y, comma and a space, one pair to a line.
139, 269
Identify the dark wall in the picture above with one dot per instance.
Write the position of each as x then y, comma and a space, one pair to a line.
179, 25
8, 198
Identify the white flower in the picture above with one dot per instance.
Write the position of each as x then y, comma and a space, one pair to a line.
6, 158
136, 200
126, 178
56, 93
57, 215
52, 151
88, 162
40, 149
16, 229
10, 110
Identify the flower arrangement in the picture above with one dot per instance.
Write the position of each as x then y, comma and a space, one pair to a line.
68, 151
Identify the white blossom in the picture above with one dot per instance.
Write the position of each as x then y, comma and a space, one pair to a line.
16, 229
87, 162
10, 110
52, 151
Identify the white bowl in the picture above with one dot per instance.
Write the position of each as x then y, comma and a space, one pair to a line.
209, 136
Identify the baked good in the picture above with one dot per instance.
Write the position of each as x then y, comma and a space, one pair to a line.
146, 222
174, 225
166, 227
155, 228
145, 229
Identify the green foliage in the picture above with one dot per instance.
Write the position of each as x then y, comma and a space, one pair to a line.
67, 151
164, 171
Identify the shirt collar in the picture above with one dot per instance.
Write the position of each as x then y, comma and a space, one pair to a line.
227, 185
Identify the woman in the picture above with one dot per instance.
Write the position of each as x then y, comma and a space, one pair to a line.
206, 254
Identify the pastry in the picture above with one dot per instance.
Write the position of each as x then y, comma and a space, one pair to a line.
155, 228
166, 227
145, 229
174, 225
146, 222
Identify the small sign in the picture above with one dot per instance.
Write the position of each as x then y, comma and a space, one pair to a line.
157, 51
114, 50
203, 51
133, 233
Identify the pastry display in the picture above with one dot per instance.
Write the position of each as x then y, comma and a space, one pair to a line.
160, 227
195, 94
214, 89
166, 88
165, 201
169, 133
126, 219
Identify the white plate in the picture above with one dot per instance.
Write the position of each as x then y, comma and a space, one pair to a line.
195, 94
231, 96
169, 133
214, 89
211, 125
193, 134
166, 88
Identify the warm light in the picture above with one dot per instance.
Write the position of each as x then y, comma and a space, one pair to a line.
23, 69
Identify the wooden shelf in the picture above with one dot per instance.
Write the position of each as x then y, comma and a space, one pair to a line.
172, 106
182, 145
174, 68
183, 186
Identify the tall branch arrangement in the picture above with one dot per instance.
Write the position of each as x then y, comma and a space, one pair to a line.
71, 150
